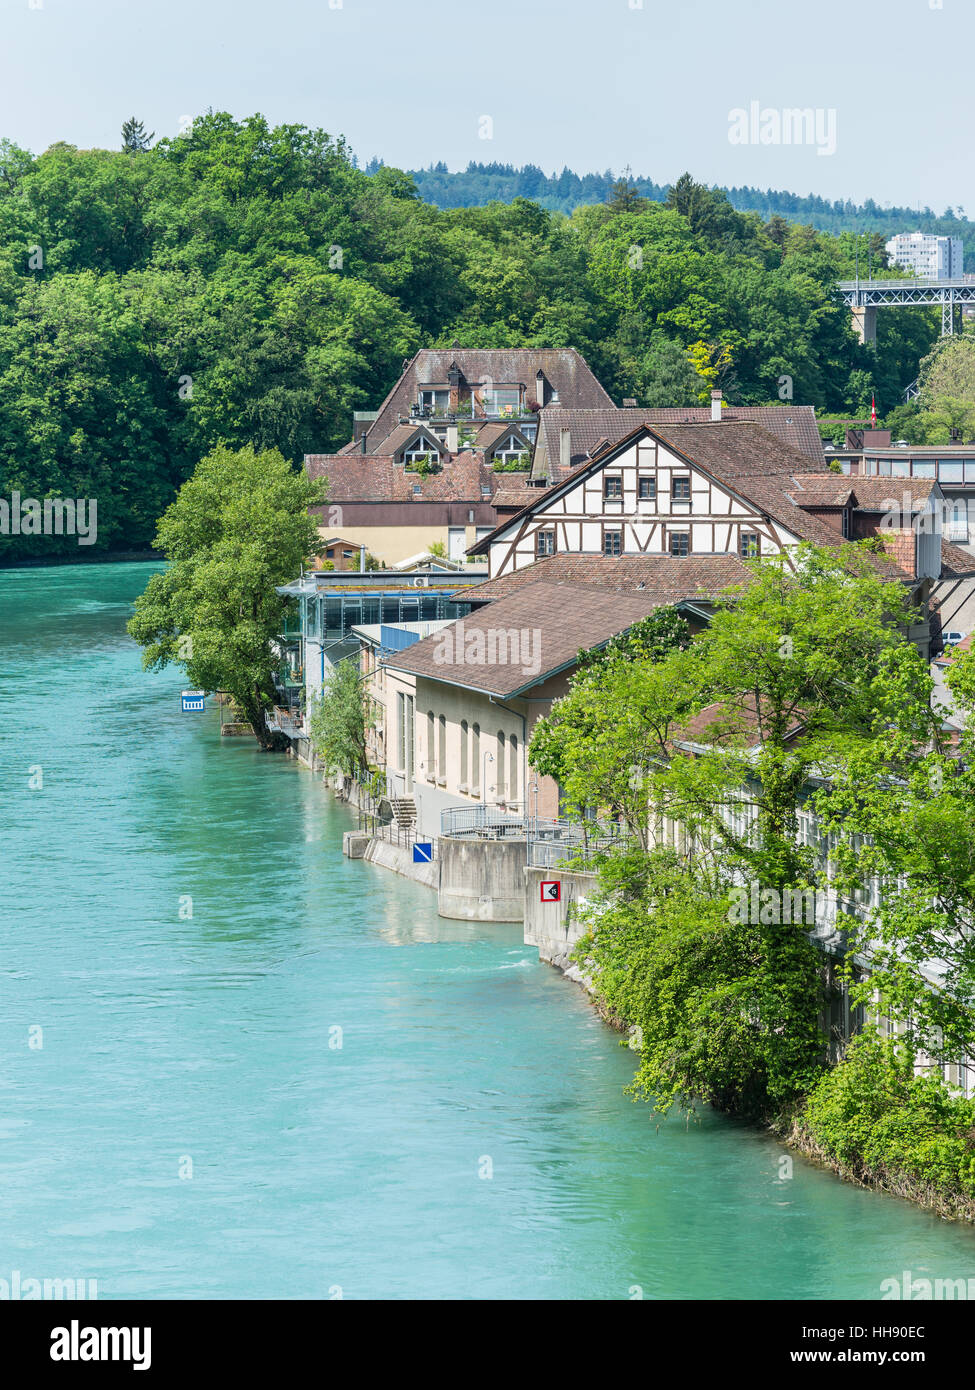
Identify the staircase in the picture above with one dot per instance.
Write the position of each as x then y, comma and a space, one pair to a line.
404, 811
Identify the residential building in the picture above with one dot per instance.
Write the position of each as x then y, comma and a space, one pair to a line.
930, 257
460, 705
720, 488
571, 438
458, 426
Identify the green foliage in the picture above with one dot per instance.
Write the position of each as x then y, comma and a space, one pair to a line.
881, 1123
338, 720
651, 639
670, 957
249, 284
238, 527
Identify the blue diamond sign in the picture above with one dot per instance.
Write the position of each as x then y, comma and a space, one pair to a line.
422, 852
193, 701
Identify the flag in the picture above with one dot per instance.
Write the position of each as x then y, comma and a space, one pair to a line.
873, 411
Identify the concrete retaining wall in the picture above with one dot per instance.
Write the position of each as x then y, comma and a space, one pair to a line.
481, 880
554, 926
400, 860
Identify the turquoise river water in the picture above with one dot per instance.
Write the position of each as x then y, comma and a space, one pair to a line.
189, 1127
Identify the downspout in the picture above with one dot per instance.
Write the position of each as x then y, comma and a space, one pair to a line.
524, 746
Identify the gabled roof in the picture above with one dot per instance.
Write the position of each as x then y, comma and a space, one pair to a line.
794, 425
557, 620
748, 460
564, 369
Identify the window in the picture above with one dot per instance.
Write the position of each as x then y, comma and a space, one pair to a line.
680, 543
501, 769
750, 545
511, 450
435, 398
681, 489
513, 782
431, 747
648, 489
442, 750
612, 542
923, 470
613, 488
500, 399
949, 471
846, 522
420, 449
544, 542
329, 553
464, 751
476, 758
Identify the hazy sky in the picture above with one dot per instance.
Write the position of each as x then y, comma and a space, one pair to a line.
592, 84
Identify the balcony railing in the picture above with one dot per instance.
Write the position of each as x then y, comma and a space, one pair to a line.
490, 822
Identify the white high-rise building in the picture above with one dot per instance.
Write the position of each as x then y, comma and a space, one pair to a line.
930, 257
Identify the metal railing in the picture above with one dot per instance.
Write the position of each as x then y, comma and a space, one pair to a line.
571, 844
490, 822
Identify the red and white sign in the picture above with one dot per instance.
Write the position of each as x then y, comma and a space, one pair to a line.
551, 890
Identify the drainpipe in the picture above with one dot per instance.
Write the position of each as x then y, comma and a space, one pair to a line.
524, 748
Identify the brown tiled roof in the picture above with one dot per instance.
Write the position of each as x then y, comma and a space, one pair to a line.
794, 425
724, 725
746, 458
887, 494
956, 562
557, 620
566, 371
513, 497
822, 490
669, 578
379, 478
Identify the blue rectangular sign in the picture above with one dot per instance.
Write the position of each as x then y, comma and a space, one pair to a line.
422, 852
193, 701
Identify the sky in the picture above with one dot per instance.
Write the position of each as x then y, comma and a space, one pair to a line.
588, 84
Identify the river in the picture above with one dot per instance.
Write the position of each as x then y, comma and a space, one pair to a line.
313, 1086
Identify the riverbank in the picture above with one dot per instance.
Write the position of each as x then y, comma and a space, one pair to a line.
268, 1070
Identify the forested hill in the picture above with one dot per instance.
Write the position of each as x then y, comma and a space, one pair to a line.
251, 284
482, 183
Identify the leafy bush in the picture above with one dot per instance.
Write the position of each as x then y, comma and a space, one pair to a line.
880, 1123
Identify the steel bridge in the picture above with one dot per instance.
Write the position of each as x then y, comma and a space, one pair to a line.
865, 297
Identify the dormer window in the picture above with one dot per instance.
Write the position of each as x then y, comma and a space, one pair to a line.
420, 451
511, 450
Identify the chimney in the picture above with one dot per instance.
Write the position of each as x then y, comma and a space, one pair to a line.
540, 386
715, 405
565, 448
362, 443
362, 559
452, 437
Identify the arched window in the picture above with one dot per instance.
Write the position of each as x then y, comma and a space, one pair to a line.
442, 753
464, 751
500, 766
514, 783
476, 757
431, 747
